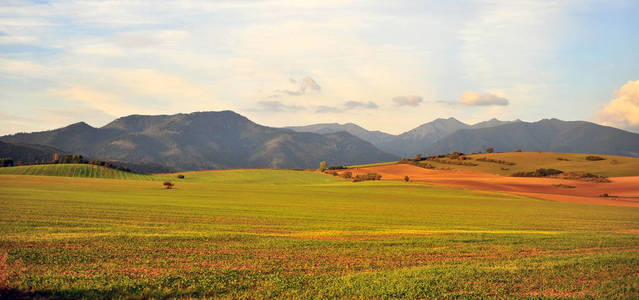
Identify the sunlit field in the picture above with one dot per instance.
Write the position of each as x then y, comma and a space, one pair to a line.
265, 233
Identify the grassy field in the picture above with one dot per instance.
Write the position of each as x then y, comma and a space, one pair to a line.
269, 233
530, 161
72, 170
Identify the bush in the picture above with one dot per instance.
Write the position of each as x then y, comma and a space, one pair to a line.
169, 185
538, 173
498, 161
518, 150
180, 176
347, 175
490, 150
367, 177
406, 178
594, 158
336, 168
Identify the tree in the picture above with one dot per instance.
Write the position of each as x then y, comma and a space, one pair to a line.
418, 157
322, 166
169, 185
6, 162
490, 150
518, 150
406, 178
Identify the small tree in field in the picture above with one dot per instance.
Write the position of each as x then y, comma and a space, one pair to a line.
169, 185
518, 150
322, 166
418, 157
490, 150
406, 178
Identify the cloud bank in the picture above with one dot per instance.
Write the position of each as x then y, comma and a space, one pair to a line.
408, 100
482, 99
622, 111
350, 105
304, 84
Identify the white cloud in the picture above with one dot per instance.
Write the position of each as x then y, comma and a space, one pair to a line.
622, 111
482, 99
408, 100
348, 106
304, 84
277, 106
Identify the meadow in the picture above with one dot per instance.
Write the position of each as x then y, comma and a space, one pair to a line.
279, 233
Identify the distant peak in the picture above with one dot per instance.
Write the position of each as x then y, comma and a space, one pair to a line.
79, 125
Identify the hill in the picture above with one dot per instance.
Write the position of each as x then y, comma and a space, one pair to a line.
27, 152
406, 144
374, 137
72, 170
205, 140
610, 166
548, 135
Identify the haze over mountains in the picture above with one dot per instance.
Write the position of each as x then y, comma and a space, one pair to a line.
214, 140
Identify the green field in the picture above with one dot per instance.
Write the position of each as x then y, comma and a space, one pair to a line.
530, 161
72, 170
270, 233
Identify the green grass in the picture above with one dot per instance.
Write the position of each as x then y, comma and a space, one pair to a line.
293, 234
72, 170
529, 161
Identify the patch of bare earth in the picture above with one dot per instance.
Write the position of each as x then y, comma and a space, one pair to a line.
622, 191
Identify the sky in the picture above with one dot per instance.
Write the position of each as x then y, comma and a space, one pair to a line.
384, 65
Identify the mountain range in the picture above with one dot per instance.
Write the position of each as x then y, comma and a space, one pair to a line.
407, 144
216, 140
205, 140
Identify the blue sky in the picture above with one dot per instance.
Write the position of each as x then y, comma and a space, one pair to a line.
385, 65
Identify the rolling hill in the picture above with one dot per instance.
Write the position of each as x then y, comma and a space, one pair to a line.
548, 135
205, 140
28, 152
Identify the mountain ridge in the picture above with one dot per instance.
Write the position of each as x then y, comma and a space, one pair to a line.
205, 140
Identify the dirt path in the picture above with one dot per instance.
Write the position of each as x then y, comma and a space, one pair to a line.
623, 191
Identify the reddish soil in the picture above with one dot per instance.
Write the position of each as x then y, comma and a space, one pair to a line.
622, 191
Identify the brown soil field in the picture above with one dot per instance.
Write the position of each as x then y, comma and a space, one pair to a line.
622, 191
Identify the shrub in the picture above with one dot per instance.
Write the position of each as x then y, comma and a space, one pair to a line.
490, 150
336, 168
366, 177
169, 185
518, 150
538, 173
406, 178
594, 158
180, 176
347, 175
498, 161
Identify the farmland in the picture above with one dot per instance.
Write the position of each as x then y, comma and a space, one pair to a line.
278, 233
529, 161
